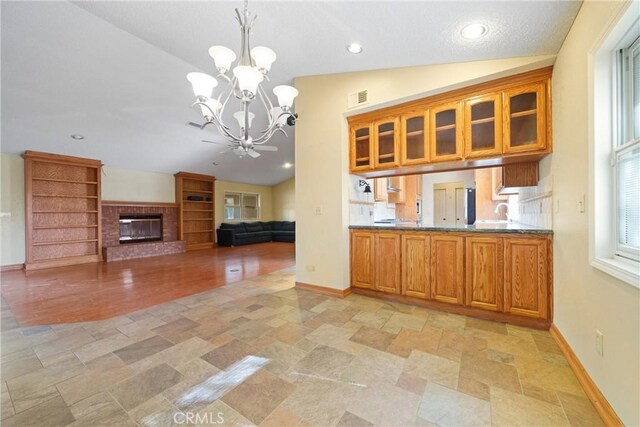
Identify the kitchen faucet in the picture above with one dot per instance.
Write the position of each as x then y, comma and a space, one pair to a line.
506, 205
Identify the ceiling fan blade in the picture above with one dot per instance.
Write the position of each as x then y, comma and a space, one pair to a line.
239, 152
215, 142
194, 124
253, 153
265, 148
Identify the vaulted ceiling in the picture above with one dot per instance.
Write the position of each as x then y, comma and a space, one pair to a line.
114, 71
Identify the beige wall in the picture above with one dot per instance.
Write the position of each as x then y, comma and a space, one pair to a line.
265, 192
585, 298
12, 236
322, 176
284, 201
137, 186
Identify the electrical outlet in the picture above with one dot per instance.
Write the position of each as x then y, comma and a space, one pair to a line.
582, 203
599, 343
310, 268
318, 210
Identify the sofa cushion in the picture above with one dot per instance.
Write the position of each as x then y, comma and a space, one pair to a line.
288, 226
267, 226
253, 227
237, 228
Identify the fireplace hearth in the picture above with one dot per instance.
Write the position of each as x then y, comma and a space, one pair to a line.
140, 228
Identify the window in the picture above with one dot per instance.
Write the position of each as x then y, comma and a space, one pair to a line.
626, 153
241, 206
614, 148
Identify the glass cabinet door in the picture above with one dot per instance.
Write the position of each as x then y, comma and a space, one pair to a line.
483, 126
386, 143
361, 148
413, 138
446, 132
525, 123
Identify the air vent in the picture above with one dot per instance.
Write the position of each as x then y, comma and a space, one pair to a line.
357, 99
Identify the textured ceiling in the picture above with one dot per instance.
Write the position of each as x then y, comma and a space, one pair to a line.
115, 71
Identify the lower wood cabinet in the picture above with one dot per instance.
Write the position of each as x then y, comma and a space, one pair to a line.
362, 259
526, 291
416, 266
506, 274
484, 272
447, 268
387, 262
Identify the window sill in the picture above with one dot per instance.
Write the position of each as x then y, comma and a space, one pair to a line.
626, 270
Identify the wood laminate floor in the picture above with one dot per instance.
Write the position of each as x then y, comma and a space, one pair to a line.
100, 291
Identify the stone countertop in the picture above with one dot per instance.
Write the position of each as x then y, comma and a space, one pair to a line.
487, 227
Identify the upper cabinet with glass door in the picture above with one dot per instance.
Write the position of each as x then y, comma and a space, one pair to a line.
483, 126
361, 151
525, 125
385, 143
504, 121
414, 137
446, 132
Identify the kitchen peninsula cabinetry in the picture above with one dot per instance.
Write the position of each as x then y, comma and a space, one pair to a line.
492, 274
501, 122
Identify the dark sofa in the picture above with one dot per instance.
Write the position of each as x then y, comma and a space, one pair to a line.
244, 233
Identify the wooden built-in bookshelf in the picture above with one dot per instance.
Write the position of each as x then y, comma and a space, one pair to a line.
196, 216
63, 219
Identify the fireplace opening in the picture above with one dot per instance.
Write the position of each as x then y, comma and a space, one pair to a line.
140, 228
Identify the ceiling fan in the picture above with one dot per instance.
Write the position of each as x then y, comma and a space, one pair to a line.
242, 150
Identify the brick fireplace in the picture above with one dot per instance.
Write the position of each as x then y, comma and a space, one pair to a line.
114, 250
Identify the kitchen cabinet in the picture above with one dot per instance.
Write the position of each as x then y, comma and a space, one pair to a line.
386, 143
396, 189
414, 131
416, 265
525, 119
503, 122
380, 189
447, 274
362, 259
492, 275
484, 270
387, 262
408, 208
483, 126
361, 151
526, 270
446, 132
508, 179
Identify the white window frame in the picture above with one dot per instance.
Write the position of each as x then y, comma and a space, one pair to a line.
242, 206
624, 141
605, 134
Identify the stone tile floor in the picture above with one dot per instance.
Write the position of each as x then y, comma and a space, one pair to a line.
260, 352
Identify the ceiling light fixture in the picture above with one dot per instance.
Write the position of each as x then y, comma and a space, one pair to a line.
77, 136
354, 48
474, 31
287, 165
243, 86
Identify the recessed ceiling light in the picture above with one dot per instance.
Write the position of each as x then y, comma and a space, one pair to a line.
77, 137
354, 48
287, 165
474, 31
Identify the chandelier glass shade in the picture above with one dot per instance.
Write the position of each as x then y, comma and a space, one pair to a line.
242, 85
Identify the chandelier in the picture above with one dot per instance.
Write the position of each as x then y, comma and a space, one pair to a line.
243, 87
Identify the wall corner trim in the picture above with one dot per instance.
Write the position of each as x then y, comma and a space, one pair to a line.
332, 292
604, 409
